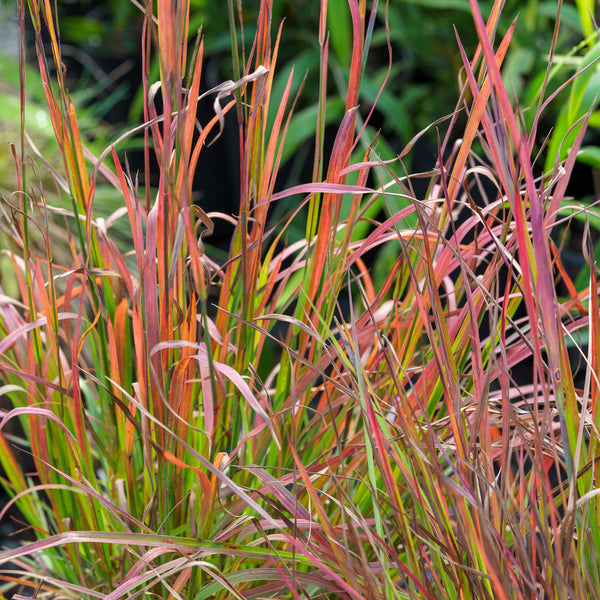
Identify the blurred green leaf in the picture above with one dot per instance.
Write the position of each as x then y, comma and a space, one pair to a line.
340, 30
590, 155
302, 126
584, 96
584, 83
587, 12
444, 4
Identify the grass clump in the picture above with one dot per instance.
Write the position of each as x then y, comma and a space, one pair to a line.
334, 410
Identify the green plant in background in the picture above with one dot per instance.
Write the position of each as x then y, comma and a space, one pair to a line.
323, 428
424, 62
